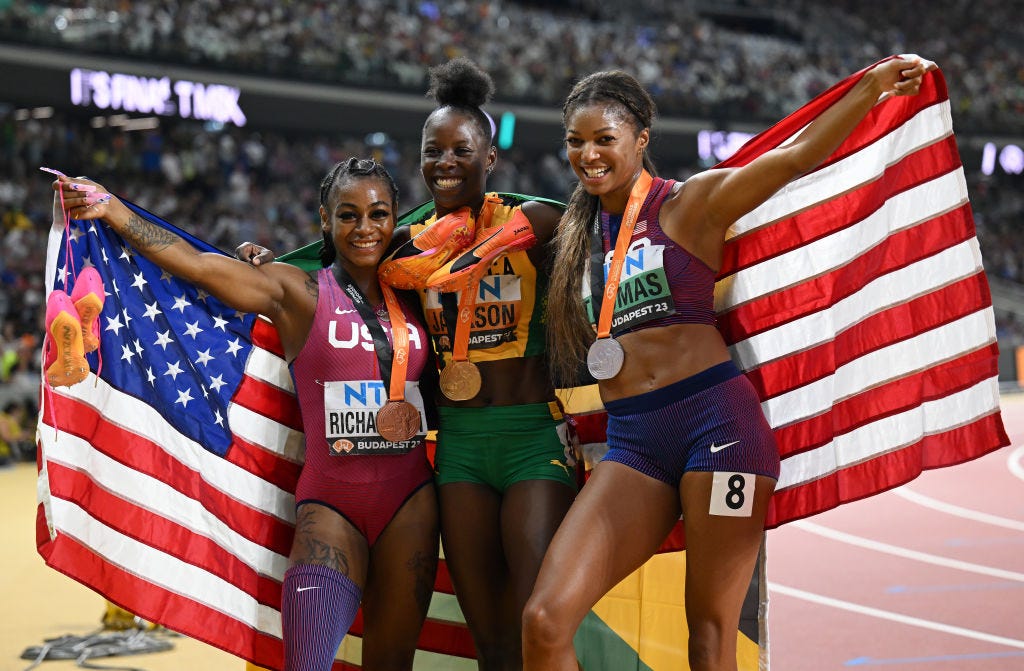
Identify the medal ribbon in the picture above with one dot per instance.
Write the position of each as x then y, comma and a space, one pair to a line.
460, 348
400, 335
393, 376
637, 196
463, 316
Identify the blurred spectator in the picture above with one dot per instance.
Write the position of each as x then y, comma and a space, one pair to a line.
758, 59
17, 433
755, 60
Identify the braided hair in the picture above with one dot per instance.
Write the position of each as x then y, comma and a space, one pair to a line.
460, 84
342, 172
571, 335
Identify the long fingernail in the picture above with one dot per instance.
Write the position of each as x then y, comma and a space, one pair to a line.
82, 187
52, 171
96, 198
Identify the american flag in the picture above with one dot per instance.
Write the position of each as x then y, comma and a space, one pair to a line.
855, 299
167, 480
856, 302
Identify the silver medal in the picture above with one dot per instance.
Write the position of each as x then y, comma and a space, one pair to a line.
604, 358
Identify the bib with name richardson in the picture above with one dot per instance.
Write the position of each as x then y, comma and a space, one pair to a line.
350, 417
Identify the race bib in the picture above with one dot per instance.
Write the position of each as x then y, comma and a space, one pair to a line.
350, 417
494, 319
644, 291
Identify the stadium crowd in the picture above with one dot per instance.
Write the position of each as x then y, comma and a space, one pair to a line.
748, 59
751, 62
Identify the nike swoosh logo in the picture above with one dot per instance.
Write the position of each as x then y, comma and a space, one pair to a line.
339, 311
303, 589
718, 448
470, 257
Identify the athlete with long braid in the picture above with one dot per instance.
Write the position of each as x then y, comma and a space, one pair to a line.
686, 433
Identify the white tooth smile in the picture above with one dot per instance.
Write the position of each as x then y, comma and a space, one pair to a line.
447, 182
364, 245
594, 172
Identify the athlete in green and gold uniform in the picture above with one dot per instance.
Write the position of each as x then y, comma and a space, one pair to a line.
505, 472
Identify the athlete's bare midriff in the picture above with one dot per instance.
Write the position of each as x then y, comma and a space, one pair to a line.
514, 381
657, 357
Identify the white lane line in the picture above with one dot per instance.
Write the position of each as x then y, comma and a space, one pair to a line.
905, 553
1015, 462
966, 513
894, 617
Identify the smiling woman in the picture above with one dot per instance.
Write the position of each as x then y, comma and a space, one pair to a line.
366, 528
686, 433
503, 467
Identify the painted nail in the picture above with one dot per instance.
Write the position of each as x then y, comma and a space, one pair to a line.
52, 171
82, 187
96, 198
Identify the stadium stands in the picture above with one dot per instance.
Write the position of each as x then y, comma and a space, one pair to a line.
749, 60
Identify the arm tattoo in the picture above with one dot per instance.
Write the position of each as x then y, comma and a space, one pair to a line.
147, 237
312, 288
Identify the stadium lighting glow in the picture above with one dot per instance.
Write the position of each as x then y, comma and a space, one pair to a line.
717, 145
507, 130
118, 92
1010, 158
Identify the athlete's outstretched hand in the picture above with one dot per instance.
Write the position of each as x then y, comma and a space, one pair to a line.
901, 76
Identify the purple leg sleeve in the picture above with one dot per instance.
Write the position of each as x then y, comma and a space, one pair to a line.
318, 605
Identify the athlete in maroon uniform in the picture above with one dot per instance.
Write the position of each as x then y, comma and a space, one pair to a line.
366, 525
366, 489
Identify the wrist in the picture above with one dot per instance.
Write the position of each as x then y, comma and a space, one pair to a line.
117, 213
874, 84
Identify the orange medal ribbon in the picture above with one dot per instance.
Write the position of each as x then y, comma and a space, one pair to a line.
460, 379
398, 420
605, 357
400, 336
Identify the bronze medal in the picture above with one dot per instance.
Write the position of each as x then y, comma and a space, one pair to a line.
398, 421
460, 380
604, 358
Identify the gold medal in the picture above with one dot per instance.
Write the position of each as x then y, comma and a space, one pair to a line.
460, 380
398, 421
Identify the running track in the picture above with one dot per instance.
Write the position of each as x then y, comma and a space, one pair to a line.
926, 577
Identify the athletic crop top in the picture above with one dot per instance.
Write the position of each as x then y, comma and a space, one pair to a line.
508, 315
338, 384
662, 283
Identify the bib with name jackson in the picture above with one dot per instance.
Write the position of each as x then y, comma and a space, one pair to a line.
350, 417
506, 320
661, 282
